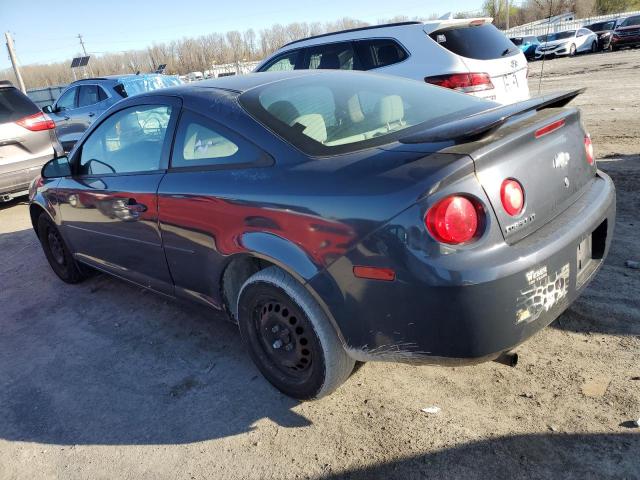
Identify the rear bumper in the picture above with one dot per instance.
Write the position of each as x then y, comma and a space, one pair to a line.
447, 310
16, 183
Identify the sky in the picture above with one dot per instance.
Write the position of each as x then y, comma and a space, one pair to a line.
44, 32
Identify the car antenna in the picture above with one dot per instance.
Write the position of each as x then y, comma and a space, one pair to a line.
546, 40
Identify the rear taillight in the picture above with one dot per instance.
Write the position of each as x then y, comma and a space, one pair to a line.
36, 122
453, 220
588, 148
512, 197
463, 82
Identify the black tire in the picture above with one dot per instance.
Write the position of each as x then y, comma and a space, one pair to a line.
594, 47
57, 252
572, 50
614, 48
289, 337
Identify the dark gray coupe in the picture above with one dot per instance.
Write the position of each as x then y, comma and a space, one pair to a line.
337, 216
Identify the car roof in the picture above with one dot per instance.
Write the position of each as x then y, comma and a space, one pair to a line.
242, 83
114, 78
352, 33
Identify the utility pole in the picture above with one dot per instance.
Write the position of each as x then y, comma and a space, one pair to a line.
85, 54
507, 28
14, 62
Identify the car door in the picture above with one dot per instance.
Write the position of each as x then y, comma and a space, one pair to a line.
108, 207
61, 115
201, 223
91, 100
582, 40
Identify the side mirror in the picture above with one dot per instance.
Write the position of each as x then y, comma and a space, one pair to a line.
56, 168
48, 109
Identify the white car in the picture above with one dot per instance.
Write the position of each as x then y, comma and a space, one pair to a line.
468, 55
568, 43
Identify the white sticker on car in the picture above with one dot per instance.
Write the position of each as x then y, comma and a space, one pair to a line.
543, 292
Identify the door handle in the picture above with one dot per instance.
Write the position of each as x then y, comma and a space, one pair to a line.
135, 207
66, 118
91, 114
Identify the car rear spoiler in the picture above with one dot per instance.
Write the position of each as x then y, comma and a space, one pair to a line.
484, 123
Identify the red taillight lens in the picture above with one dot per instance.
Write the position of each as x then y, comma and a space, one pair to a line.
36, 122
588, 148
512, 197
463, 82
453, 220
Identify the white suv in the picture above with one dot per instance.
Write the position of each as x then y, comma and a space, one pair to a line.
469, 55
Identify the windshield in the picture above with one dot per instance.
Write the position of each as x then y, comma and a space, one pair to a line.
336, 112
561, 36
598, 27
140, 84
631, 21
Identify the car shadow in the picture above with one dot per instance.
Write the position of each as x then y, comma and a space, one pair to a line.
553, 455
104, 362
610, 304
13, 202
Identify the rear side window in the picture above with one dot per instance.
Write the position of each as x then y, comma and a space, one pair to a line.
480, 42
201, 142
333, 56
286, 61
379, 53
15, 105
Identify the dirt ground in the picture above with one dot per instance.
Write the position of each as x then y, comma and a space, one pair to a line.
104, 380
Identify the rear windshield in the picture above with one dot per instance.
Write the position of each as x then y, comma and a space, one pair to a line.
517, 41
337, 112
631, 21
134, 85
15, 105
480, 42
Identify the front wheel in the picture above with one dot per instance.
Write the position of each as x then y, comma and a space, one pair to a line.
289, 337
572, 50
57, 252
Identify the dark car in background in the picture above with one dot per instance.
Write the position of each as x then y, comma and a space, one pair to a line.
627, 34
27, 141
604, 31
527, 45
338, 216
83, 101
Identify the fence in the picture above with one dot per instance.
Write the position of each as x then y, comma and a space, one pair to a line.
45, 96
543, 28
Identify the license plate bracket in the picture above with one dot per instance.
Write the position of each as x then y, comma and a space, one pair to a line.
584, 259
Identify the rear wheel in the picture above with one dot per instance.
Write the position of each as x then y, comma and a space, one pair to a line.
594, 47
572, 50
289, 337
57, 252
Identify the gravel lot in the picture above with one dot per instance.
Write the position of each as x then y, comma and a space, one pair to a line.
105, 380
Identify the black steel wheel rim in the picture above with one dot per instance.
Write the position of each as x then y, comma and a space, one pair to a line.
285, 337
55, 246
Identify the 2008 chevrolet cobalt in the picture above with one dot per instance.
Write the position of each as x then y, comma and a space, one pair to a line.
337, 216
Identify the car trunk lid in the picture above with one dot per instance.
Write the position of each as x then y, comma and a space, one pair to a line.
534, 142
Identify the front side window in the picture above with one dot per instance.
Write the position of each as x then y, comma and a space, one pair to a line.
90, 94
283, 63
130, 140
334, 56
201, 142
67, 100
336, 113
380, 53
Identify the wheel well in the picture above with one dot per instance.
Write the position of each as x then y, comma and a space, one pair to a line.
234, 276
34, 212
